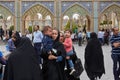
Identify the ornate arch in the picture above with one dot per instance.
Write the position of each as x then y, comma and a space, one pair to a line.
107, 11
5, 12
38, 9
32, 12
76, 8
112, 7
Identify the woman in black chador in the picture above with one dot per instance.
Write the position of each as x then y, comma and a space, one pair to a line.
94, 60
53, 64
23, 62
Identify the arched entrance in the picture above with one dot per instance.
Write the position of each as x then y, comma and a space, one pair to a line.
76, 17
110, 17
6, 19
37, 15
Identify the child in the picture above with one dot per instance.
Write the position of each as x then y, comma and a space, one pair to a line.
69, 51
47, 39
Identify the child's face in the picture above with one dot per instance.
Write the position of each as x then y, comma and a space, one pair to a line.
49, 32
67, 34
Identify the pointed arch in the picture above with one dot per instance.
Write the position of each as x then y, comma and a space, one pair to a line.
38, 8
109, 22
113, 7
80, 10
5, 11
76, 8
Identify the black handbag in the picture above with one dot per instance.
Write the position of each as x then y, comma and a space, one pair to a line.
78, 68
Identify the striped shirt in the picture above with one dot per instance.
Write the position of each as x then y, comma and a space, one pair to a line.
115, 38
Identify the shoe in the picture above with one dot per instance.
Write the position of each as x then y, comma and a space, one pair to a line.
65, 68
40, 66
72, 71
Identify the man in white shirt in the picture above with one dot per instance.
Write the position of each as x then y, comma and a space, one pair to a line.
100, 36
37, 40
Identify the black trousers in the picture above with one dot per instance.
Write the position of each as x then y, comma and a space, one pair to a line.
37, 47
1, 37
79, 41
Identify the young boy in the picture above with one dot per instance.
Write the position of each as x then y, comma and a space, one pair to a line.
47, 40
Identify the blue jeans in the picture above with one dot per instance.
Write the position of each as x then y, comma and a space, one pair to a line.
116, 66
101, 40
37, 47
70, 62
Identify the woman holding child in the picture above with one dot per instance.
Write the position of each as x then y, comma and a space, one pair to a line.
54, 57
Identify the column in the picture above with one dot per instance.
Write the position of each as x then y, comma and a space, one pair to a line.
58, 14
32, 21
60, 18
17, 14
95, 16
55, 16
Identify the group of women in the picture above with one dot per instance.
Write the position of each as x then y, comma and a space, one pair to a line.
23, 63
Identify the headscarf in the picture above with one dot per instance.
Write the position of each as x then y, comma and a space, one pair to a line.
93, 35
17, 37
58, 37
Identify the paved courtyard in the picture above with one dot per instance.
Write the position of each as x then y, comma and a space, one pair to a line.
80, 53
107, 60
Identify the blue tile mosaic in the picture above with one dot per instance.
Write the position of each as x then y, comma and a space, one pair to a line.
9, 5
48, 4
67, 4
104, 5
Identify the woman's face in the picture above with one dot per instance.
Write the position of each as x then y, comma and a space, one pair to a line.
61, 37
54, 34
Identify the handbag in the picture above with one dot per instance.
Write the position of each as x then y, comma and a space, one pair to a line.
78, 68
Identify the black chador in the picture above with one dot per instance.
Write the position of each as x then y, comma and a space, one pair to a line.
52, 69
23, 63
94, 59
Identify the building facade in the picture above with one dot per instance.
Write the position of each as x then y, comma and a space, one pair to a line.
89, 14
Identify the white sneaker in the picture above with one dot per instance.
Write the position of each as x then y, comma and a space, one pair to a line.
65, 68
40, 66
73, 70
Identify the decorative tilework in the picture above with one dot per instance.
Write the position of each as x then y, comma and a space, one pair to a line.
48, 4
87, 5
9, 5
104, 5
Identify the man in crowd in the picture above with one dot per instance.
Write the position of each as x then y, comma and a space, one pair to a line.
37, 40
1, 33
115, 43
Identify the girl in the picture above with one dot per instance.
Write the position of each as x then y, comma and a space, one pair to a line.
68, 47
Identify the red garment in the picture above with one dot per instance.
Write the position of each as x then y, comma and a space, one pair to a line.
68, 44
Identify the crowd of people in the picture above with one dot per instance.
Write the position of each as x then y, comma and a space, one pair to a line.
82, 37
50, 55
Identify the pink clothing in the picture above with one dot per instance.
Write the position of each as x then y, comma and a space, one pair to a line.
68, 44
